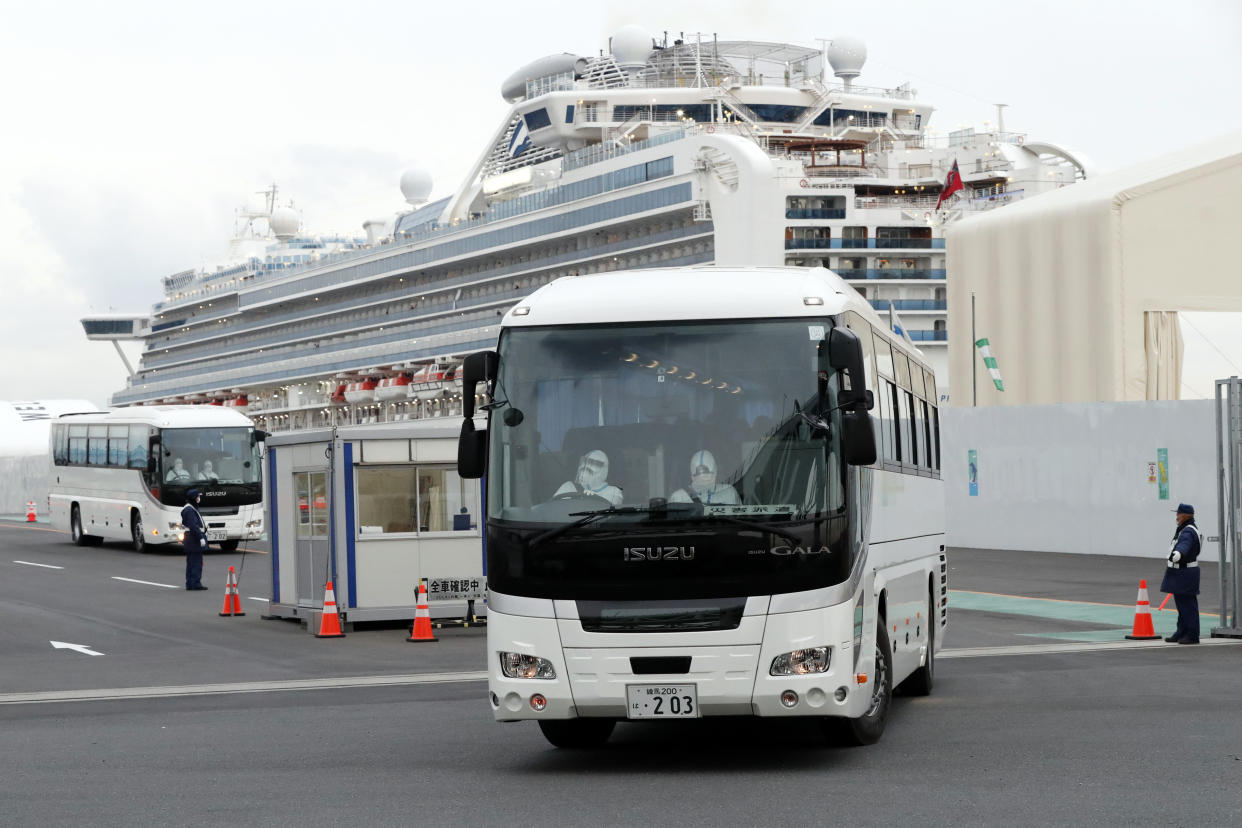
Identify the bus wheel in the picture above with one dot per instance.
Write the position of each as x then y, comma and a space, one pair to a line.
868, 728
136, 531
75, 527
920, 681
229, 545
577, 733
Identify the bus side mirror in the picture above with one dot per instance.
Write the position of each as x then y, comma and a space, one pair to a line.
857, 431
477, 368
260, 435
858, 437
846, 356
471, 451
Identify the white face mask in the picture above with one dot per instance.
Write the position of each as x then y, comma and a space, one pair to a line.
593, 470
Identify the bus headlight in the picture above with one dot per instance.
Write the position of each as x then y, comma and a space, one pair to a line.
173, 526
802, 662
522, 666
254, 524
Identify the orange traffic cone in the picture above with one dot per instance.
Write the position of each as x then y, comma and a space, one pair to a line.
1143, 629
330, 619
30, 512
421, 631
232, 601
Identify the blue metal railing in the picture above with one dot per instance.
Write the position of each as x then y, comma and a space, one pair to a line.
867, 244
891, 273
910, 304
814, 213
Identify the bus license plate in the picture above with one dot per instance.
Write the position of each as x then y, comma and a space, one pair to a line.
662, 701
217, 535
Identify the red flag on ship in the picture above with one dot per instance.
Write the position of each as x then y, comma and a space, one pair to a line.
952, 183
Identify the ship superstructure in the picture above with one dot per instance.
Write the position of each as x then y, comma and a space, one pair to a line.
689, 152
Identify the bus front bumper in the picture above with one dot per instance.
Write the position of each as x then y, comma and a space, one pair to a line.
728, 679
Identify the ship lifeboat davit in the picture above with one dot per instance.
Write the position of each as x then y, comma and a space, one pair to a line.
361, 391
393, 388
452, 381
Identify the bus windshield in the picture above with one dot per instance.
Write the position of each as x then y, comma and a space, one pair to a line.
214, 460
671, 441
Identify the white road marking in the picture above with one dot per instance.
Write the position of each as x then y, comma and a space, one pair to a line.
1072, 647
120, 693
79, 648
45, 566
255, 598
148, 583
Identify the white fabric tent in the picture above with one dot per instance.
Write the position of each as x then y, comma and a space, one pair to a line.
25, 460
1077, 290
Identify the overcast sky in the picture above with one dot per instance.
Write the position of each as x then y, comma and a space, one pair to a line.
134, 129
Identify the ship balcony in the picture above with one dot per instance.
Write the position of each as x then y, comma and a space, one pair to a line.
910, 304
928, 336
814, 213
891, 273
864, 244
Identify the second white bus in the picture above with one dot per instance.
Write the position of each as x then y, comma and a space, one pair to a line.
123, 474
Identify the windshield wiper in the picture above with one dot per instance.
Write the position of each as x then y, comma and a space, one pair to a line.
590, 517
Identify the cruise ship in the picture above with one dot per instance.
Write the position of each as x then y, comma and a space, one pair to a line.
690, 151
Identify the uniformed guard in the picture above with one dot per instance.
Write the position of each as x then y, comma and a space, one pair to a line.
194, 541
1181, 577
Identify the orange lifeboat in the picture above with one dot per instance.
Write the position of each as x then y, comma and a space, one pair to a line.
361, 391
393, 388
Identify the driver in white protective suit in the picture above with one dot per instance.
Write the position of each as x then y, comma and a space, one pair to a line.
592, 479
703, 487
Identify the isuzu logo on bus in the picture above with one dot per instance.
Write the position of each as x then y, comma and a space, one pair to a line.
658, 553
214, 494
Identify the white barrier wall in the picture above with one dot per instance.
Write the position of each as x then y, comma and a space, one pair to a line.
23, 479
1077, 477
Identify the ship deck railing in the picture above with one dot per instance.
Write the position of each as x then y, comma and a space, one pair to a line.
812, 243
410, 289
386, 348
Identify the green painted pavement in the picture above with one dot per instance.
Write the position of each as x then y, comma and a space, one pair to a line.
1111, 615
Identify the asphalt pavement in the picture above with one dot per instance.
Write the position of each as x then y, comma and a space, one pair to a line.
1041, 715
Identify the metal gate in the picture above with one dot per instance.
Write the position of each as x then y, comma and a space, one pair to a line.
312, 546
1229, 501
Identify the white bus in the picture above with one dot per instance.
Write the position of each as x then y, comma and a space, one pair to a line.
690, 511
123, 474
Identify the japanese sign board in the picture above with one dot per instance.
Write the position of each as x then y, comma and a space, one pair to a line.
456, 589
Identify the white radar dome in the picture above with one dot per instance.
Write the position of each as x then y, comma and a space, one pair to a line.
632, 45
847, 56
416, 186
284, 222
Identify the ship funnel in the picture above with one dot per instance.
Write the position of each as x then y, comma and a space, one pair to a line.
847, 55
375, 229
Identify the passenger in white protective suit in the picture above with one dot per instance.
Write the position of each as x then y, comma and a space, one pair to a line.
703, 487
592, 479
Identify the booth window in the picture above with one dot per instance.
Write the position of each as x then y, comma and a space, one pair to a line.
312, 495
393, 499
